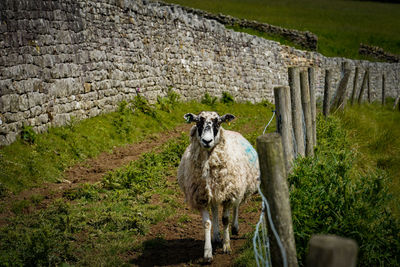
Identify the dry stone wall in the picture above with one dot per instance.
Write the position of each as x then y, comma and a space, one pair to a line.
81, 58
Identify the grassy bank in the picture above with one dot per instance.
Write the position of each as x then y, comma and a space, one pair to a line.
340, 25
350, 187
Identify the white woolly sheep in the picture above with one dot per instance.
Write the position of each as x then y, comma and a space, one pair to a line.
219, 167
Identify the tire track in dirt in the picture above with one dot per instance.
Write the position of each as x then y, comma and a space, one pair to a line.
88, 171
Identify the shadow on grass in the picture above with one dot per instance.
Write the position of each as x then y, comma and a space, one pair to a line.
161, 252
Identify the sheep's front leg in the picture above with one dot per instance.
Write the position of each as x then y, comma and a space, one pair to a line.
226, 246
216, 239
207, 235
235, 226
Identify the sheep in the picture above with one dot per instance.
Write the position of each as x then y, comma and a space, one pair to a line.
219, 167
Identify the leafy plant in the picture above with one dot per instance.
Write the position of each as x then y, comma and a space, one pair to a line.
28, 135
141, 104
328, 196
227, 98
167, 103
208, 100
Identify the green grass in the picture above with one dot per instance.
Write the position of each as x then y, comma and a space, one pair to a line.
102, 223
375, 132
340, 25
342, 190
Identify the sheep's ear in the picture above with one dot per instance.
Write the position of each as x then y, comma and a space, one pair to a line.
190, 117
227, 118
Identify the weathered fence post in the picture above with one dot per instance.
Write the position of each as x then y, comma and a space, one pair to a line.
355, 81
396, 102
340, 98
297, 111
305, 100
369, 89
313, 102
331, 251
383, 90
327, 93
274, 185
363, 85
284, 122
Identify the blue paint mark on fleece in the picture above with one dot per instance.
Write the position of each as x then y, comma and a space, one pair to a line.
250, 151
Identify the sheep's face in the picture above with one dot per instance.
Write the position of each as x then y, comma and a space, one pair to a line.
207, 126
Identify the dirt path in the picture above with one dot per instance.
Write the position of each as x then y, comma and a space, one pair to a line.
89, 171
176, 243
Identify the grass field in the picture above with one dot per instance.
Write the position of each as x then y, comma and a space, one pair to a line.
341, 25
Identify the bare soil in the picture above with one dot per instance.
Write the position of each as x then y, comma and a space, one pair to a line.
176, 243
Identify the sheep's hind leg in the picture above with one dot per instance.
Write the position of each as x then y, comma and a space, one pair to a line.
226, 243
235, 226
216, 238
207, 235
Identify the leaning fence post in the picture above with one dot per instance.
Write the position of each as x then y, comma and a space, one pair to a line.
284, 122
355, 81
331, 251
383, 90
275, 187
297, 111
396, 102
327, 93
340, 98
363, 85
305, 100
313, 102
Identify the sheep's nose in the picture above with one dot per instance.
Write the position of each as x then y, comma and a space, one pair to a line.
206, 142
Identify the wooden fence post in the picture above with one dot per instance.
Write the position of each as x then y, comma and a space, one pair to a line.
284, 122
396, 102
313, 102
275, 187
363, 85
297, 111
340, 98
383, 90
305, 100
369, 89
355, 81
327, 93
331, 251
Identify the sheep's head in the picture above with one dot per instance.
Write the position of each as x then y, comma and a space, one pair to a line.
207, 126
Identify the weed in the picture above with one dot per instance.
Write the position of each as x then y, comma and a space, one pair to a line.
142, 105
20, 205
227, 98
184, 219
168, 103
28, 135
208, 100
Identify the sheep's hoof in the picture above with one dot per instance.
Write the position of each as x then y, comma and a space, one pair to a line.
227, 248
216, 240
208, 259
235, 230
